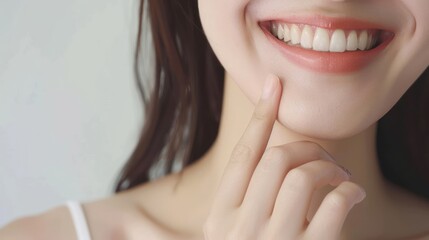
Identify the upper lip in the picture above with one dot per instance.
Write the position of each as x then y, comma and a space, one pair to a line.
322, 21
344, 23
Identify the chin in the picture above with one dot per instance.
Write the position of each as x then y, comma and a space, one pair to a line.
323, 126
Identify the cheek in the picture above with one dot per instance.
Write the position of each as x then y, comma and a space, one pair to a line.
420, 10
229, 33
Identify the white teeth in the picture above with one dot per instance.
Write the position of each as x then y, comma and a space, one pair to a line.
324, 40
295, 34
369, 43
274, 29
286, 36
280, 32
338, 41
307, 37
352, 41
363, 39
321, 40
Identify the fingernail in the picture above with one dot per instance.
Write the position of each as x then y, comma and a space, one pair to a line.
269, 87
345, 170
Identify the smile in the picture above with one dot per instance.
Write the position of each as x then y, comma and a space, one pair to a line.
327, 44
325, 40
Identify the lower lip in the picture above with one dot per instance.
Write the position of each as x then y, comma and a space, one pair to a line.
328, 62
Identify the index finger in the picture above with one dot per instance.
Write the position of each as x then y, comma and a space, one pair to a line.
250, 148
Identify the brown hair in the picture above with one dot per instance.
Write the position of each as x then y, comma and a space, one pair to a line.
182, 113
403, 139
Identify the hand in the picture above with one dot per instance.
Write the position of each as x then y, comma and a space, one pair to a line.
266, 194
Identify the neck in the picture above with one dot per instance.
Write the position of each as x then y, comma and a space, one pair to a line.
384, 203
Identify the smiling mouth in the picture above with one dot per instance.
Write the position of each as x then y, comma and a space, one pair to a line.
325, 44
326, 40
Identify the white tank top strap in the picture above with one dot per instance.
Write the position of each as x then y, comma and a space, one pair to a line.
79, 220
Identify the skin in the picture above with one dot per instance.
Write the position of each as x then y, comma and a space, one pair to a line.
279, 175
329, 109
338, 102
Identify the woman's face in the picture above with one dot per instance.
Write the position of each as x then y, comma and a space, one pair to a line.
330, 89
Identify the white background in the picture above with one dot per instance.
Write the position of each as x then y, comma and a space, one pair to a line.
69, 109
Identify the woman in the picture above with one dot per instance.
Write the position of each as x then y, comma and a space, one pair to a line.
331, 71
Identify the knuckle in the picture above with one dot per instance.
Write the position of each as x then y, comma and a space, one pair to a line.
278, 153
261, 112
273, 152
297, 179
314, 149
289, 152
317, 150
241, 153
274, 157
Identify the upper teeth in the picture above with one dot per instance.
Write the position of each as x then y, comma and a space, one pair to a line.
324, 40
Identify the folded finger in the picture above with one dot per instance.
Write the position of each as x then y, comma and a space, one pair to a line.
292, 203
329, 218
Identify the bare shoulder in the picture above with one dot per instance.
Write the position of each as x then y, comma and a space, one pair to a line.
120, 216
52, 224
163, 205
151, 209
112, 218
123, 216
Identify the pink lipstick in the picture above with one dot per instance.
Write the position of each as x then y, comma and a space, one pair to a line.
331, 45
